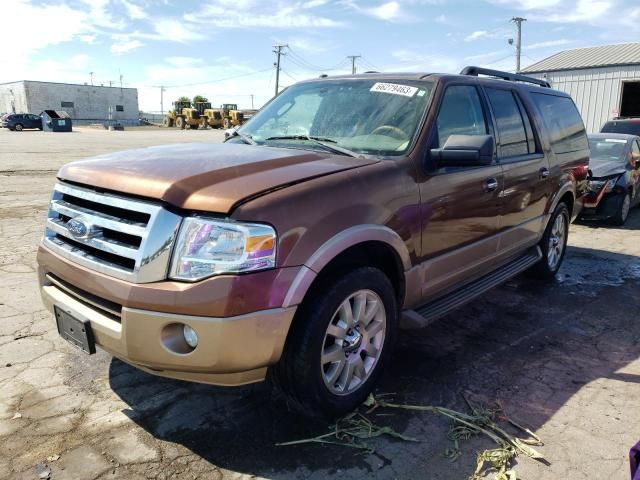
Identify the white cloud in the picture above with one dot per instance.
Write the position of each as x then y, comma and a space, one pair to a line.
253, 14
476, 35
134, 11
481, 34
569, 11
386, 11
423, 62
547, 44
40, 19
184, 61
126, 46
175, 30
90, 38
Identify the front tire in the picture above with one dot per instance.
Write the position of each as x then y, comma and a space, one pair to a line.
339, 343
623, 210
553, 244
19, 127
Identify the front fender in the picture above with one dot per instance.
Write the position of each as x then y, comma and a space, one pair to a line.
334, 247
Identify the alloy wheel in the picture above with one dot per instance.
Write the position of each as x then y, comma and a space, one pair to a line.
556, 242
624, 209
353, 342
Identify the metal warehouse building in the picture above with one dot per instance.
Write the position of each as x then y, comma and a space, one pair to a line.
84, 103
604, 81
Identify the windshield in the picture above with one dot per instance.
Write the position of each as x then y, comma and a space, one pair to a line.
362, 116
607, 149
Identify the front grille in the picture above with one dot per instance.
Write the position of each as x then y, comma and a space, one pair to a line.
127, 238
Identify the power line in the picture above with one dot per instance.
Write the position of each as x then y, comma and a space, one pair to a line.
289, 75
301, 62
217, 79
369, 64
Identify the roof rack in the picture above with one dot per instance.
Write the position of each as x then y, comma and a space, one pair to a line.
514, 77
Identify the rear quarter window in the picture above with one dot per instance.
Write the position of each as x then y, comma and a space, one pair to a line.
562, 121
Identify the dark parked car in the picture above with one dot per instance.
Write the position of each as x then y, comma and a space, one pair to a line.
614, 176
630, 126
21, 121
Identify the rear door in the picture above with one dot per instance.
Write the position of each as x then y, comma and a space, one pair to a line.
527, 186
460, 205
33, 121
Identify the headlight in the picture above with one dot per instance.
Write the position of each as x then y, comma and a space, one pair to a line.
207, 247
596, 185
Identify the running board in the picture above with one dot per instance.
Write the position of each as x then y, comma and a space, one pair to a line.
425, 314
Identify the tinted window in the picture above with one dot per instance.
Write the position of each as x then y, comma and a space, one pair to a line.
632, 128
460, 113
563, 122
511, 130
119, 108
66, 104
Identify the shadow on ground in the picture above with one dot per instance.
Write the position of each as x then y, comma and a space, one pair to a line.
526, 344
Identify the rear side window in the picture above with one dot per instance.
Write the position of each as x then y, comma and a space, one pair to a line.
460, 113
563, 122
510, 122
631, 128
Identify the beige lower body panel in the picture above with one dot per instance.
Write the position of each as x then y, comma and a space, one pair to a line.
231, 351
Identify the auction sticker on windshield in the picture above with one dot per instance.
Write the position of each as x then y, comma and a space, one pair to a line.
394, 89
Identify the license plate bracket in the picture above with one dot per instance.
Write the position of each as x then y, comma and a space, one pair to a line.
75, 331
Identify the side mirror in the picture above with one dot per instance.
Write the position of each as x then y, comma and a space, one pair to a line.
464, 151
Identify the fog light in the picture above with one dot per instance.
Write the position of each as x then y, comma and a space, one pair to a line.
190, 336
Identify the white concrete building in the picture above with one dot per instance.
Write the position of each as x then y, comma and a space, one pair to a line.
84, 103
604, 81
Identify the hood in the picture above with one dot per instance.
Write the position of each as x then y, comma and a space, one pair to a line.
206, 177
606, 168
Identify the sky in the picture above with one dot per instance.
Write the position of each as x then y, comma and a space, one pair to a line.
223, 49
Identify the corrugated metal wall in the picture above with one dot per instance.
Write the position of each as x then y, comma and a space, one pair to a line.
596, 91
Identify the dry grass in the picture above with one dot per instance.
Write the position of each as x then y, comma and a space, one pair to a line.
356, 429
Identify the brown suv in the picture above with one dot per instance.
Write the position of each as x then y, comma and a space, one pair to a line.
346, 206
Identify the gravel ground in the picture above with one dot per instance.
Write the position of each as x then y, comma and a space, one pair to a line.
561, 358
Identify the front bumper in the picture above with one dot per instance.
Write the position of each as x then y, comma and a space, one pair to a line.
232, 350
602, 208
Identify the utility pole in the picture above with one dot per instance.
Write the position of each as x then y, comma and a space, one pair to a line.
278, 52
162, 90
110, 83
353, 62
252, 101
518, 21
91, 73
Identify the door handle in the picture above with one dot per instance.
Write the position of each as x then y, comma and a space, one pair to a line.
544, 172
490, 184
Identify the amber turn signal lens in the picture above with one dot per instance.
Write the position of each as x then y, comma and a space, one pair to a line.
259, 243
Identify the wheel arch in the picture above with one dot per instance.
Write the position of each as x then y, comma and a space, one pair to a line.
566, 194
362, 245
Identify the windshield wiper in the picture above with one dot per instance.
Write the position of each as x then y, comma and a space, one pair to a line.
328, 143
245, 138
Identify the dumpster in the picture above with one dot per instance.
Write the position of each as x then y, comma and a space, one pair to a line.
53, 121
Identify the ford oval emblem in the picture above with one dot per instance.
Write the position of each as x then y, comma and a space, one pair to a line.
78, 228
